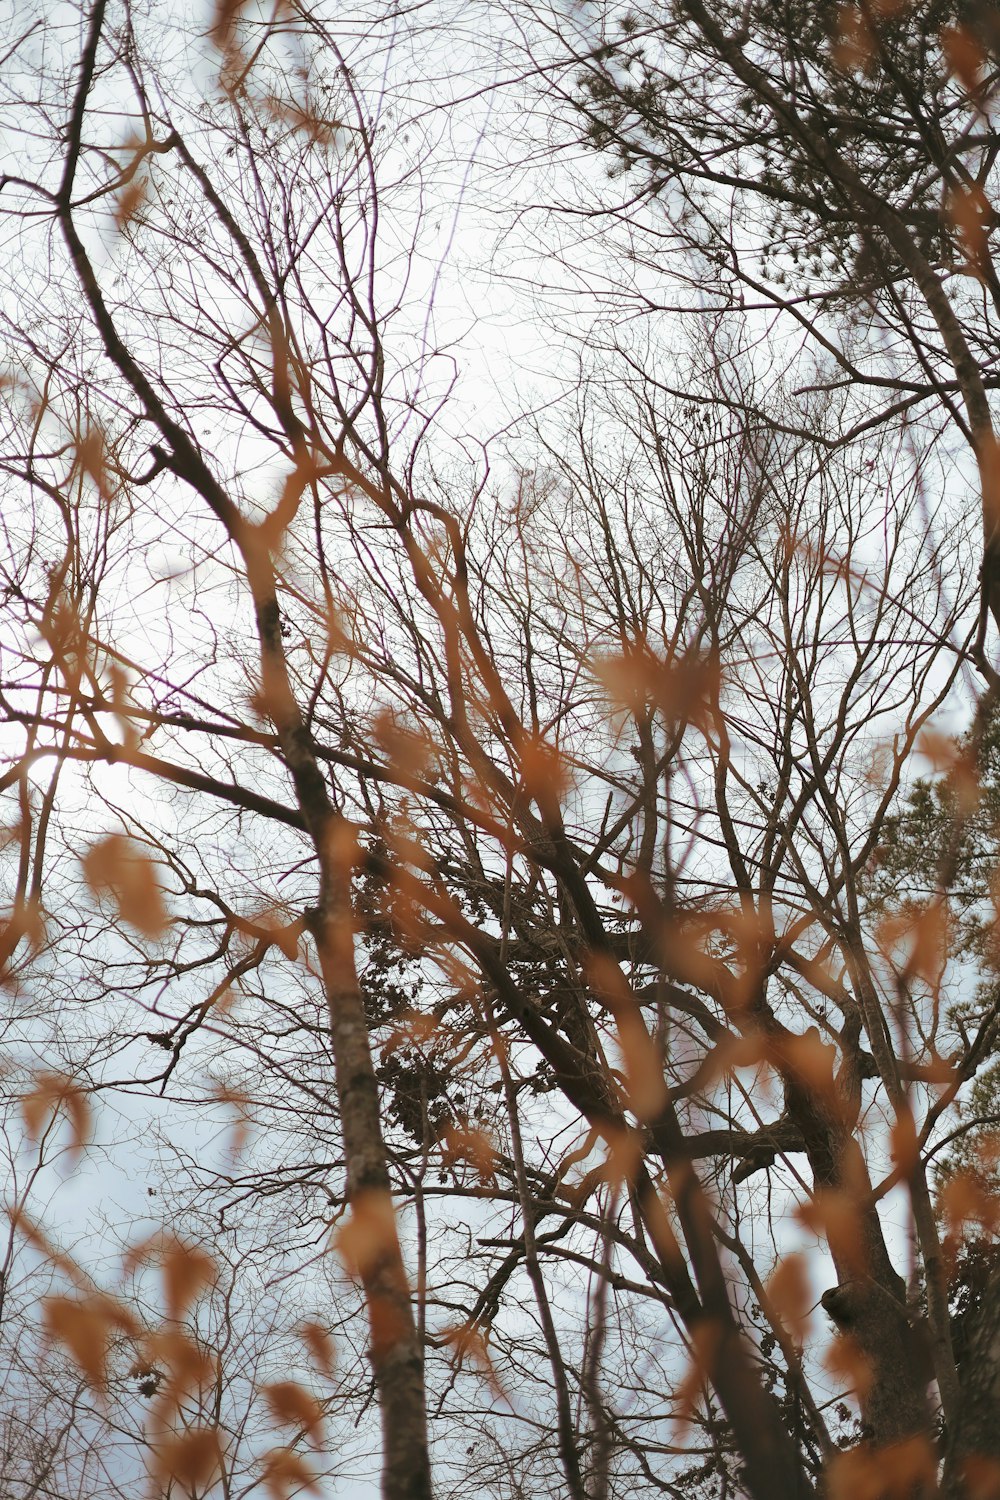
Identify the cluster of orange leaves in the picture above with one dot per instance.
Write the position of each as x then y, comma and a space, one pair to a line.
93, 1324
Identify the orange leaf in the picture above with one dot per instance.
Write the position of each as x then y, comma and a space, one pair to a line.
543, 774
981, 1477
808, 1059
91, 454
625, 1152
685, 688
318, 1341
50, 1092
227, 13
193, 1458
369, 1233
468, 1341
958, 763
845, 1359
116, 865
647, 1089
897, 1471
855, 46
607, 981
187, 1364
964, 56
414, 1029
939, 1070
410, 750
905, 1144
291, 1405
240, 1102
731, 1053
130, 200
85, 1325
27, 920
964, 1200
970, 211
285, 1471
835, 1215
467, 1143
187, 1270
923, 936
387, 1323
791, 1294
705, 1341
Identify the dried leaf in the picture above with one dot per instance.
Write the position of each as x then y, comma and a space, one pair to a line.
51, 1092
846, 1360
118, 866
409, 750
291, 1405
625, 1150
905, 1143
964, 55
227, 14
835, 1215
285, 1471
706, 1339
964, 1200
193, 1458
414, 1029
62, 630
130, 200
469, 1342
86, 1325
239, 1101
26, 921
543, 774
661, 1231
387, 1323
971, 212
956, 761
981, 1477
187, 1270
470, 1143
369, 1233
685, 688
319, 1342
268, 925
57, 1258
939, 1070
924, 937
731, 1053
808, 1059
987, 1150
898, 1471
315, 127
186, 1364
605, 978
91, 455
854, 47
791, 1294
646, 1085
85, 1331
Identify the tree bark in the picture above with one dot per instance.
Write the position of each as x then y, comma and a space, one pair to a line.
972, 1466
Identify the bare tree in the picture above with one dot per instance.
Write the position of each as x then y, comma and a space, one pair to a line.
499, 848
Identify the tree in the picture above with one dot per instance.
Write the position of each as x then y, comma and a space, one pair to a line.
498, 848
831, 162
